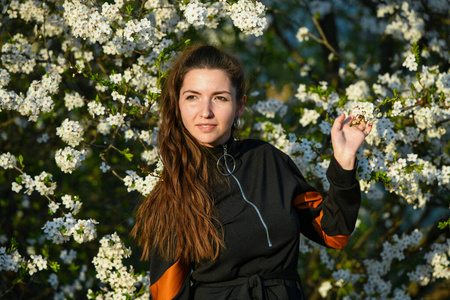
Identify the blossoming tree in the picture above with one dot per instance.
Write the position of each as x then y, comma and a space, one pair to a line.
79, 91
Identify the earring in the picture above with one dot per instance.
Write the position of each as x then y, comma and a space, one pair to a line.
237, 123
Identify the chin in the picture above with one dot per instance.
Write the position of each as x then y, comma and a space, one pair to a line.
209, 143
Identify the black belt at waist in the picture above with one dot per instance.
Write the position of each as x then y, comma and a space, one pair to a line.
255, 286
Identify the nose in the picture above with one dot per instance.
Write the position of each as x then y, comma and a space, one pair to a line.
206, 109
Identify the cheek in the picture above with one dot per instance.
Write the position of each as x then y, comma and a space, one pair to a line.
187, 115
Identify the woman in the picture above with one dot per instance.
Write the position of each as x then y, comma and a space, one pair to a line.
225, 219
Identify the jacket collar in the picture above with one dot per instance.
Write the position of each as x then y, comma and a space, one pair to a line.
219, 150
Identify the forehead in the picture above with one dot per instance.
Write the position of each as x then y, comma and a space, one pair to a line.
206, 79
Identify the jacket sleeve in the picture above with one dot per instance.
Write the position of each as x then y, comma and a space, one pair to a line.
330, 220
168, 280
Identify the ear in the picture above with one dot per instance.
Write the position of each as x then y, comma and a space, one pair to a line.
241, 106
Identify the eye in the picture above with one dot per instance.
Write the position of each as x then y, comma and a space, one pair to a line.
191, 97
221, 98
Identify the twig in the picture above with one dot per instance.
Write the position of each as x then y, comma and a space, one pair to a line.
324, 40
141, 10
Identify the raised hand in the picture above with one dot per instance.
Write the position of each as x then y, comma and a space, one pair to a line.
347, 135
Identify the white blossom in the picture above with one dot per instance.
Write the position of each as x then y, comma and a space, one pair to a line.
195, 13
309, 116
248, 16
410, 62
73, 100
7, 160
70, 132
69, 159
302, 34
270, 107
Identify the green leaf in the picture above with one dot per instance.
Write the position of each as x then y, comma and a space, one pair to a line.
14, 245
129, 9
54, 266
443, 225
19, 179
20, 160
127, 154
380, 177
74, 268
416, 50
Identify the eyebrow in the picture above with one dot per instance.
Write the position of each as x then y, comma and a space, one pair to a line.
198, 93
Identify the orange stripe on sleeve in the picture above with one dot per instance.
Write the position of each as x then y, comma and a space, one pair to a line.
310, 200
336, 242
170, 283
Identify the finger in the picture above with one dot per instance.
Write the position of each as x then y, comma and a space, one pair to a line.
360, 124
368, 129
337, 125
349, 120
352, 111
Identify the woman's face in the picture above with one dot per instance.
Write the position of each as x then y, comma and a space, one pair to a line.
208, 106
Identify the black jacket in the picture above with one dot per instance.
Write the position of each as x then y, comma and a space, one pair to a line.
262, 237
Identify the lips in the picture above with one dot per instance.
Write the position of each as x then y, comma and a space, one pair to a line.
206, 127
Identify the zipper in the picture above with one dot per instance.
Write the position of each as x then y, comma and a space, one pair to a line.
230, 173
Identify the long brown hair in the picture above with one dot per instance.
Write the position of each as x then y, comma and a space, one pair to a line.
177, 219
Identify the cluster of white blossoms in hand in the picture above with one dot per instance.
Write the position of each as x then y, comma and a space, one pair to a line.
248, 16
69, 159
270, 107
363, 111
195, 13
71, 132
111, 271
60, 230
